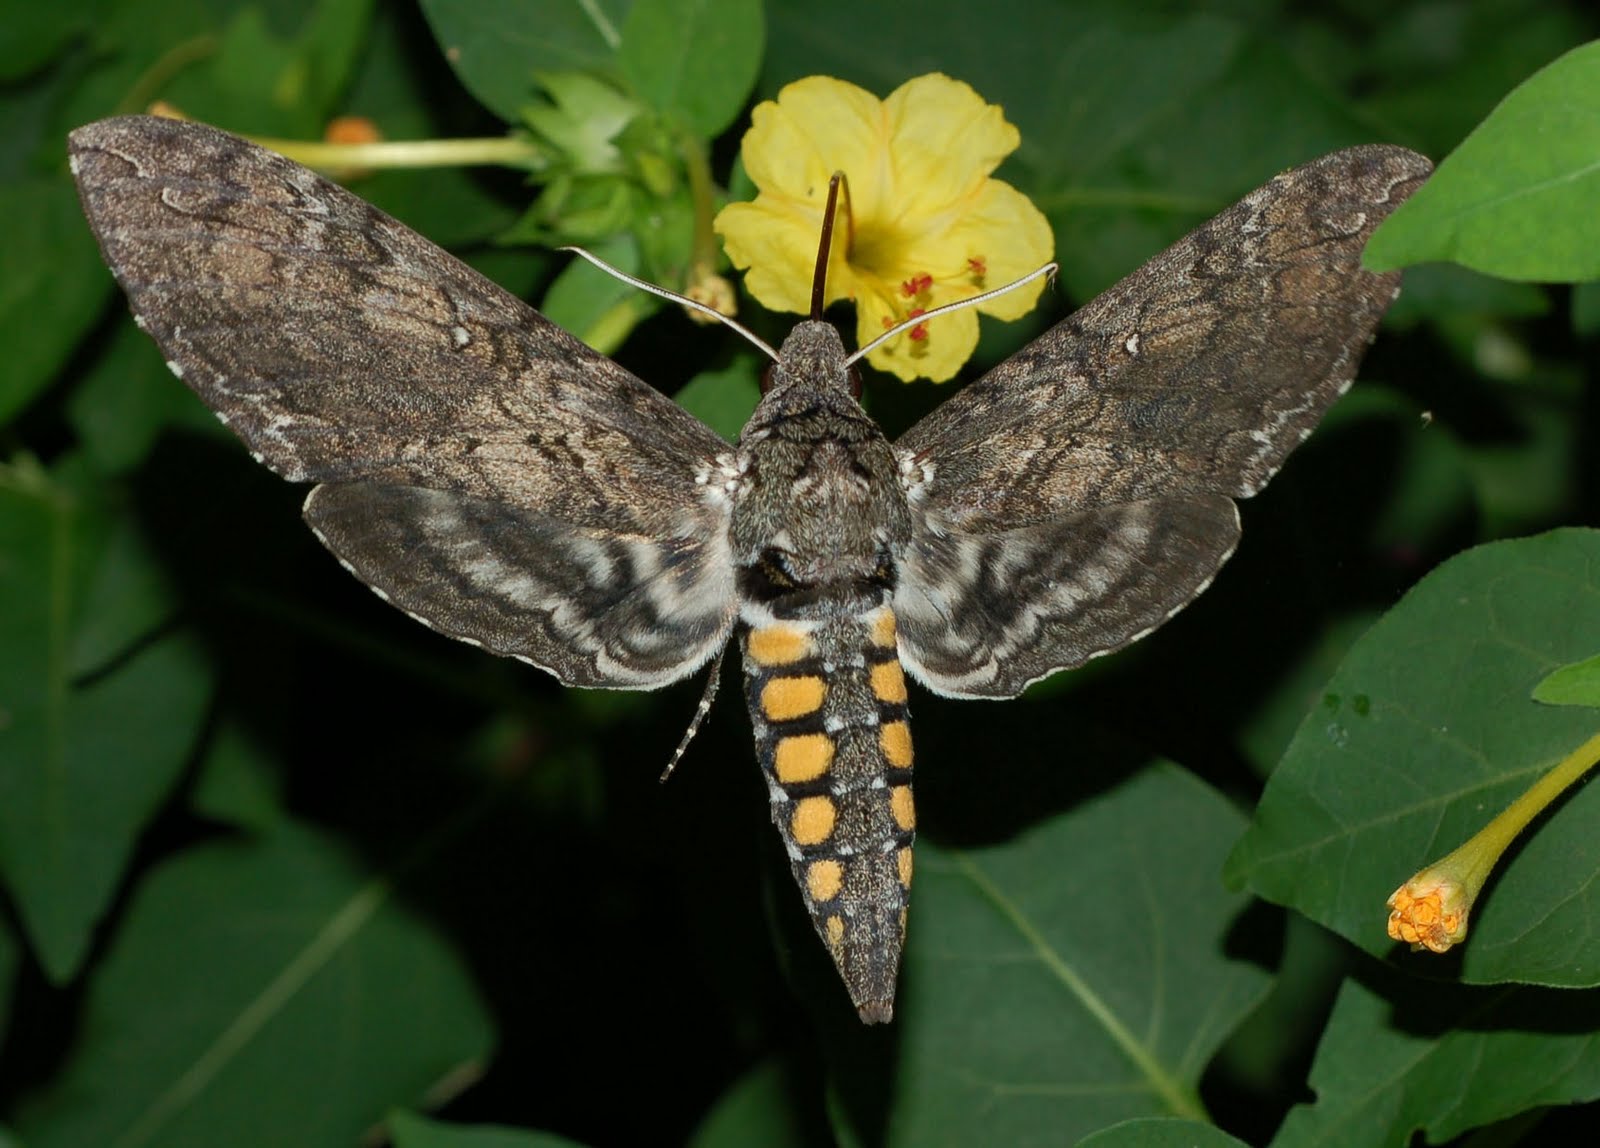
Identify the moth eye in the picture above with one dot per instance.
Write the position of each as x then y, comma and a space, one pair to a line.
766, 377
855, 383
774, 564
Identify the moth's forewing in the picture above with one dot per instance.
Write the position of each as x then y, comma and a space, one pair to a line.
1081, 493
514, 487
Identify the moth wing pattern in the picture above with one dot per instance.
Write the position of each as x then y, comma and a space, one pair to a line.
1081, 492
345, 349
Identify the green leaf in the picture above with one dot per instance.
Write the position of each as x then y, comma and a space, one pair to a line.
1269, 730
1586, 310
91, 745
451, 206
1443, 1059
237, 784
1152, 1132
759, 1108
1073, 977
582, 293
51, 286
10, 960
1516, 199
260, 993
496, 46
723, 399
273, 70
694, 60
1445, 291
127, 398
1425, 732
36, 33
412, 1131
582, 120
1436, 70
1574, 685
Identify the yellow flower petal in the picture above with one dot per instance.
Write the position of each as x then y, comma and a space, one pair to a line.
779, 249
945, 141
1007, 236
816, 127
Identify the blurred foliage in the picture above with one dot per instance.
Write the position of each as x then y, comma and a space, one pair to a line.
279, 866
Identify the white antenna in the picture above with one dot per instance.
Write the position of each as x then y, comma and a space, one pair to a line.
682, 300
1047, 269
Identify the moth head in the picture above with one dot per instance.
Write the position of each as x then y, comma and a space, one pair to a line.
813, 356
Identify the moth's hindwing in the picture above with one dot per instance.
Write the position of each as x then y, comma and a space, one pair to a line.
524, 492
592, 606
828, 703
1075, 496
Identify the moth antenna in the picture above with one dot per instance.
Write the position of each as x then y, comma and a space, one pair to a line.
819, 277
1048, 269
673, 296
699, 714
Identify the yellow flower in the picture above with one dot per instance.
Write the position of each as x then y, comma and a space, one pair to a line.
1430, 911
925, 225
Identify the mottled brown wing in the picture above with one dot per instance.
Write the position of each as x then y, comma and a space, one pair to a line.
345, 349
1120, 433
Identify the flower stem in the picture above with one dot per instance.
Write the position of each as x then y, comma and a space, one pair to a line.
702, 193
1493, 838
511, 151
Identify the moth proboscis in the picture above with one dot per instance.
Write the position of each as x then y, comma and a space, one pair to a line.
498, 480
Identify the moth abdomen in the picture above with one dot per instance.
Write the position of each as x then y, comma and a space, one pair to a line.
828, 702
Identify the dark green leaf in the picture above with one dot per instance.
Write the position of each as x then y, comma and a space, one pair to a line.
1574, 685
411, 1131
127, 398
10, 959
1436, 70
693, 60
237, 783
1447, 291
1516, 199
52, 286
1296, 689
451, 206
496, 46
1424, 733
758, 1109
331, 44
1442, 1059
1586, 310
1073, 977
269, 69
582, 293
1152, 1132
723, 399
260, 993
89, 758
35, 33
